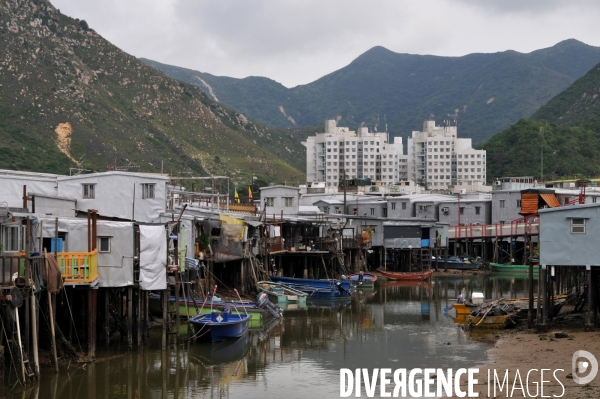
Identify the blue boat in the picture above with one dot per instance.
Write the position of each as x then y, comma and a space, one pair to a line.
219, 326
309, 282
455, 262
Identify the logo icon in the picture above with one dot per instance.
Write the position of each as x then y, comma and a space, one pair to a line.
579, 367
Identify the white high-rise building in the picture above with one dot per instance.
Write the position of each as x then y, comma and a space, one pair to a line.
361, 154
439, 160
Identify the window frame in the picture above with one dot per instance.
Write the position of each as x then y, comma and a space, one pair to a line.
269, 201
100, 238
578, 226
90, 188
6, 235
148, 190
288, 202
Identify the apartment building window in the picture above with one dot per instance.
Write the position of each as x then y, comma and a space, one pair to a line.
477, 210
404, 205
269, 201
577, 226
289, 201
89, 191
384, 212
393, 205
12, 238
103, 244
502, 202
148, 190
372, 211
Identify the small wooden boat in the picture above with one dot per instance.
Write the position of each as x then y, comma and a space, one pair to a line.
421, 275
332, 294
281, 294
499, 322
496, 314
455, 262
497, 267
362, 280
309, 282
219, 326
195, 306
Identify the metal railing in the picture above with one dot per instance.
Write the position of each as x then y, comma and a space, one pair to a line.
78, 267
11, 265
512, 229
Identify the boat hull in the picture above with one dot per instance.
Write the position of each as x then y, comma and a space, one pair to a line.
492, 322
367, 282
407, 276
307, 282
497, 267
256, 314
217, 327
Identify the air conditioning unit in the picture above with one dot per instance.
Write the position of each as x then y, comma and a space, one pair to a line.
445, 210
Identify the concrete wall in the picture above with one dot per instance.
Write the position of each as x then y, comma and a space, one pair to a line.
279, 193
61, 207
509, 211
469, 215
114, 195
560, 247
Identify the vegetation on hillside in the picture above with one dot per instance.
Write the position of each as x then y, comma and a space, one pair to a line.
568, 151
55, 69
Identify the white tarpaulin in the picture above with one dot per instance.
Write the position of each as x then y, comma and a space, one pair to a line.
153, 258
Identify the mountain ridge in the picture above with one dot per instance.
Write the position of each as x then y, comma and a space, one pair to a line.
485, 92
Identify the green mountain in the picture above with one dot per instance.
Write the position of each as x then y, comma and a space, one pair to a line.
566, 130
68, 97
485, 93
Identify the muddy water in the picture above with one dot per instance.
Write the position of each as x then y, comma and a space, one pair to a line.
395, 325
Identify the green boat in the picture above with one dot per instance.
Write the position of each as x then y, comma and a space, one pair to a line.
497, 267
256, 314
280, 294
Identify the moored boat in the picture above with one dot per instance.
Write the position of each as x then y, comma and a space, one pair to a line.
309, 282
362, 280
281, 294
219, 326
420, 275
497, 267
455, 262
197, 306
332, 294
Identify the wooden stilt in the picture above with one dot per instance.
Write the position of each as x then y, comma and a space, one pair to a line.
91, 328
107, 316
165, 327
51, 315
130, 317
34, 332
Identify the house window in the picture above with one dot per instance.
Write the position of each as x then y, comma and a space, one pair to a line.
393, 205
89, 191
325, 209
289, 201
577, 226
462, 210
518, 203
148, 190
103, 244
372, 211
11, 239
404, 205
269, 201
384, 212
477, 210
502, 203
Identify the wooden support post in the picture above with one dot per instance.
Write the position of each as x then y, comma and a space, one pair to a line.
177, 303
130, 317
530, 311
107, 316
446, 259
34, 331
544, 279
589, 325
165, 315
51, 315
139, 315
91, 327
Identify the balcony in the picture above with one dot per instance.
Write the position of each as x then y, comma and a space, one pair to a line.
78, 268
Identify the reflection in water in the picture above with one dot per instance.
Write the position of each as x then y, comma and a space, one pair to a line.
396, 325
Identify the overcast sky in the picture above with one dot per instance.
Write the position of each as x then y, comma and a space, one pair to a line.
298, 41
